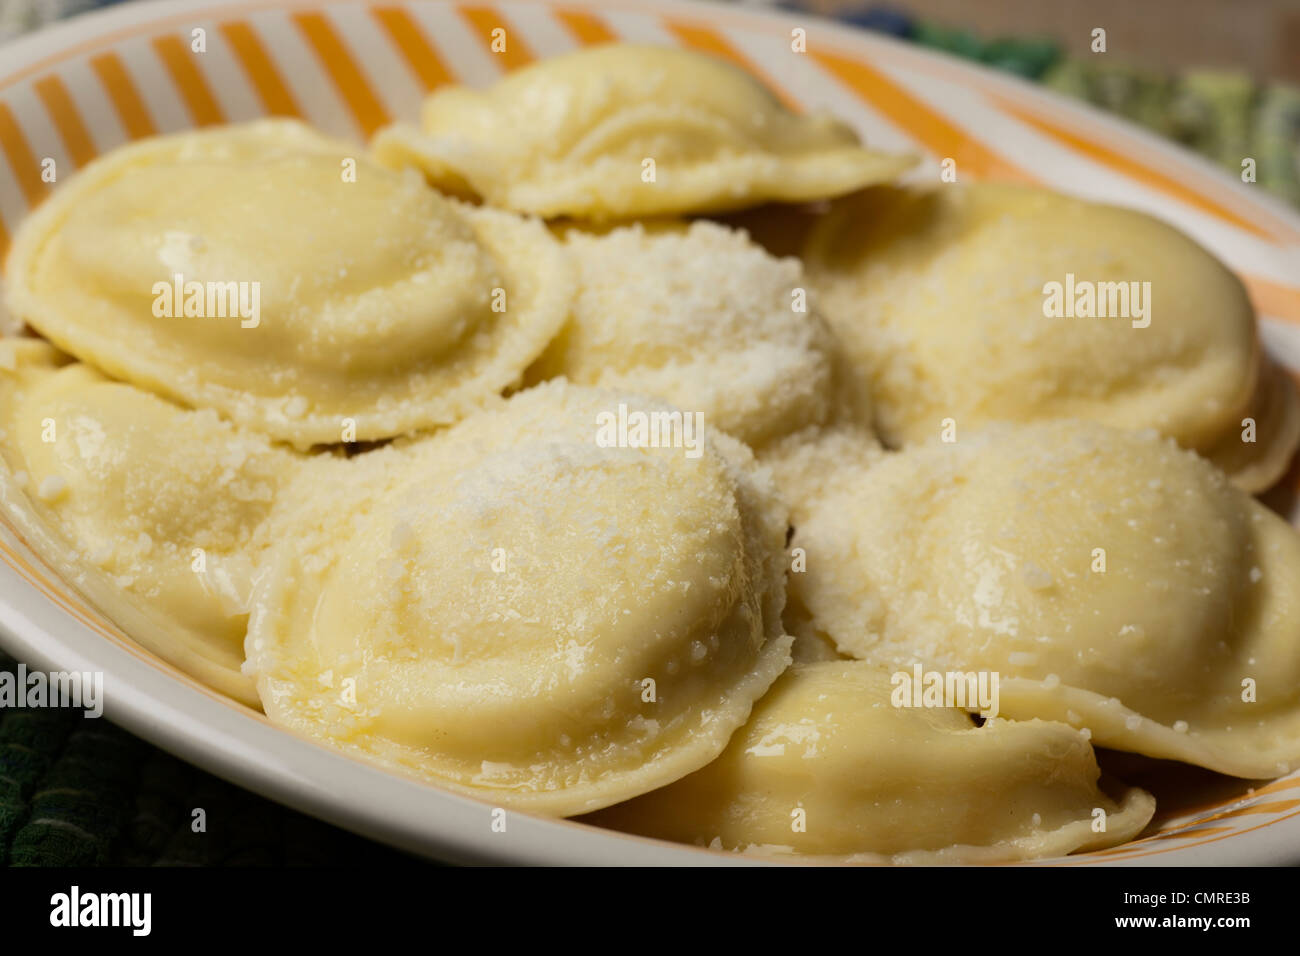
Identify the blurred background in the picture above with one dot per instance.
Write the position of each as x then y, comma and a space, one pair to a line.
1257, 37
1219, 76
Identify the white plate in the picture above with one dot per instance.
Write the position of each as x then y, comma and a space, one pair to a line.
81, 88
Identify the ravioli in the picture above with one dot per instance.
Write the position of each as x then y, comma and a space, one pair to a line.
621, 130
941, 299
1113, 580
158, 514
701, 317
1272, 423
811, 463
357, 303
518, 611
828, 766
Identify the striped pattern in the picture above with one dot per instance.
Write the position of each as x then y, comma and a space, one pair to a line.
351, 67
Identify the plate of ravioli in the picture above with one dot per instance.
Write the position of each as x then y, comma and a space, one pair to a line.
650, 433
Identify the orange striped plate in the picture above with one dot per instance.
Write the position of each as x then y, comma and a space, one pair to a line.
79, 89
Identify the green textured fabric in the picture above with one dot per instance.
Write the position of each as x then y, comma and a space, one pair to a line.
1030, 57
1224, 115
76, 791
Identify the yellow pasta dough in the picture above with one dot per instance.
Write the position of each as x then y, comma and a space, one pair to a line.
1271, 422
1113, 580
518, 610
289, 283
156, 513
811, 463
828, 766
996, 302
699, 316
623, 130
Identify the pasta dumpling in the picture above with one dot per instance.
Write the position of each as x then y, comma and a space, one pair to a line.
524, 612
701, 317
1257, 452
810, 463
829, 766
158, 514
1113, 580
622, 130
289, 283
995, 302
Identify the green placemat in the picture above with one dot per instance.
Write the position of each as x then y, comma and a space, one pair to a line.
1224, 115
78, 791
